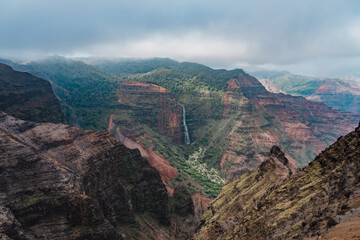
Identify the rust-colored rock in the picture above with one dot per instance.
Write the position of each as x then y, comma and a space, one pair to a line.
166, 171
153, 105
300, 127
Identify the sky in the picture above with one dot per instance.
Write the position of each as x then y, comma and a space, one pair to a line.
309, 37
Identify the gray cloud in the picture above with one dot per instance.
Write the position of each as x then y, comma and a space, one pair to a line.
218, 33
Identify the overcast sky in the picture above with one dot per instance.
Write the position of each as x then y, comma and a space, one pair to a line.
312, 37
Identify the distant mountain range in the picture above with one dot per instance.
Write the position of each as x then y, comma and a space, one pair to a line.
342, 94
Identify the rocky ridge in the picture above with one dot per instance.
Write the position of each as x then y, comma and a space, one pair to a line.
270, 203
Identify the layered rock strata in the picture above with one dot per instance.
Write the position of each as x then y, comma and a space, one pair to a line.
60, 182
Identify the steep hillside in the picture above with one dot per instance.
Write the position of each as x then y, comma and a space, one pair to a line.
336, 93
87, 95
269, 203
65, 183
269, 85
28, 97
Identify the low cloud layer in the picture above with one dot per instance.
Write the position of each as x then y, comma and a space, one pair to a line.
302, 35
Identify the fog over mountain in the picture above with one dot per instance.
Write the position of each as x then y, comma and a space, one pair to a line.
305, 37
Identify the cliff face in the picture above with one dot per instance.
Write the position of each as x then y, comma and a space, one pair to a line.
269, 86
144, 106
150, 105
25, 96
62, 182
301, 127
269, 203
145, 112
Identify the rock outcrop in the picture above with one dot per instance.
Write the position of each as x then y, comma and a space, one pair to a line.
61, 182
27, 97
271, 203
269, 86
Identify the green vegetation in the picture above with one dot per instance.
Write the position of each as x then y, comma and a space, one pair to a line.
335, 93
125, 66
86, 94
203, 100
296, 85
216, 121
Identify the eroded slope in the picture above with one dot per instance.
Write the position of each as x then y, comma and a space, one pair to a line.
310, 203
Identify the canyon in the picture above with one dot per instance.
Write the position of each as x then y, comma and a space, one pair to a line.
231, 118
61, 182
131, 174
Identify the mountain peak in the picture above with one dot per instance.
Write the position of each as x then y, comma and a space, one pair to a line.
277, 165
276, 152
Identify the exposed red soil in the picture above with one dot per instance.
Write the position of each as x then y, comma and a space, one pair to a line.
201, 201
148, 86
167, 172
158, 107
349, 230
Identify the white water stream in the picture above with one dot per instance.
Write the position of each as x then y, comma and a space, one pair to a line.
187, 138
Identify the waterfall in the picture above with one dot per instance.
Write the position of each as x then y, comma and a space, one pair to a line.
186, 132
